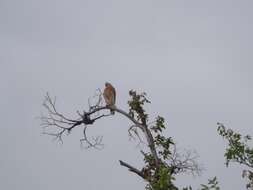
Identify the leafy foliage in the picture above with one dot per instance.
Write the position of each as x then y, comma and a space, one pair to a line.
238, 151
163, 143
212, 185
158, 175
160, 166
163, 180
136, 106
249, 175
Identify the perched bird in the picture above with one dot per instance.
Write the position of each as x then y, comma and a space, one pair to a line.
110, 96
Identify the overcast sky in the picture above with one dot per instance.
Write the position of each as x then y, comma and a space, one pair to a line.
193, 58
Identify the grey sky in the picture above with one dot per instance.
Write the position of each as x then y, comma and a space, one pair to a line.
193, 58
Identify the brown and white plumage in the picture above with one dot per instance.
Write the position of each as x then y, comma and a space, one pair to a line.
109, 95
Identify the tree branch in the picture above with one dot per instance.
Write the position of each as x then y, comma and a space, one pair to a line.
132, 169
57, 125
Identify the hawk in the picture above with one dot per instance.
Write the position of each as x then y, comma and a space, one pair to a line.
110, 96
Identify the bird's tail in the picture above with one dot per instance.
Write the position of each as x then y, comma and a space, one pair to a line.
112, 111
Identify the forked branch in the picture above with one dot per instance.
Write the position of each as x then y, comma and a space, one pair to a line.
159, 160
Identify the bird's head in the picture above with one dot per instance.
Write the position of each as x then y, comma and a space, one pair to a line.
107, 84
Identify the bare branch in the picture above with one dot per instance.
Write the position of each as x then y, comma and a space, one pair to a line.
132, 169
133, 132
94, 143
184, 162
97, 98
61, 124
57, 124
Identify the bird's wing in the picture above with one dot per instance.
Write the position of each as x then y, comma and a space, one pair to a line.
106, 93
114, 95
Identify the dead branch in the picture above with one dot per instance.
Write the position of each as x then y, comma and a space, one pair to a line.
95, 142
184, 162
132, 169
56, 124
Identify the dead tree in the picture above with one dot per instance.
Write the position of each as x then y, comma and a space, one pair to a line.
161, 162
